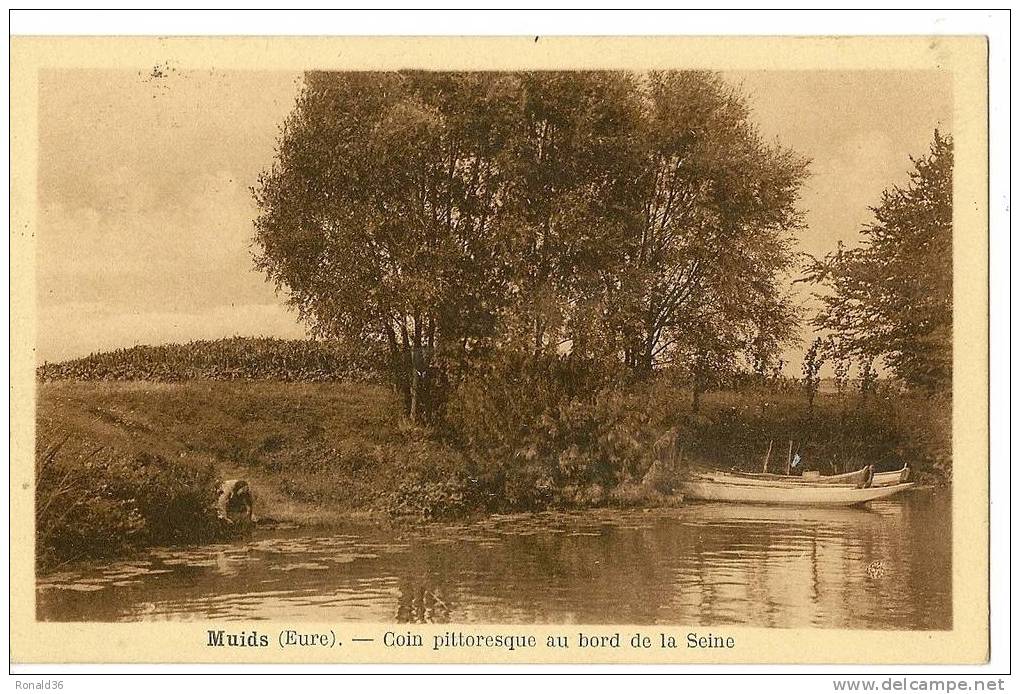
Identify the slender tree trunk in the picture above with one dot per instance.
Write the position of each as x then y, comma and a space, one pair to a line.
415, 407
698, 383
646, 355
768, 453
406, 368
396, 367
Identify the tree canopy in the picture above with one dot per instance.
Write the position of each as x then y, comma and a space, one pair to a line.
438, 218
891, 297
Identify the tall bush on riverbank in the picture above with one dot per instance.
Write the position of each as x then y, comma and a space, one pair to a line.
91, 505
554, 430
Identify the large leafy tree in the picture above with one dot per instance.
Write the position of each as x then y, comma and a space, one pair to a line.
381, 216
719, 206
573, 161
434, 217
891, 296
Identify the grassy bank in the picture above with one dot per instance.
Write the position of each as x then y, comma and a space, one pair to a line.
142, 457
312, 452
117, 462
308, 447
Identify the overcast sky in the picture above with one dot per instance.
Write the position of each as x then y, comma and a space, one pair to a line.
146, 215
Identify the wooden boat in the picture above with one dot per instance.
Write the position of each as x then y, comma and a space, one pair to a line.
856, 482
856, 478
709, 489
887, 479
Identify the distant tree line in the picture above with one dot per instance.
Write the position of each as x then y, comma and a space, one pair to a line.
441, 219
227, 359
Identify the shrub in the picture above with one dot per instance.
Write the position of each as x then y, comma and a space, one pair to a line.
433, 500
554, 431
93, 506
75, 513
175, 500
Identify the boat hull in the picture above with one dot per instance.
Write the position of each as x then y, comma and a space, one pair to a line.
859, 478
786, 495
888, 479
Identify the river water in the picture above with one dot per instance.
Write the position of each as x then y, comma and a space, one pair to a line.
885, 566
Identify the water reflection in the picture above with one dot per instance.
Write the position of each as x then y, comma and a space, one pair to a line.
420, 605
883, 567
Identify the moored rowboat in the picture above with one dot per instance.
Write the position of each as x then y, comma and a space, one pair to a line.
726, 478
708, 489
857, 478
879, 479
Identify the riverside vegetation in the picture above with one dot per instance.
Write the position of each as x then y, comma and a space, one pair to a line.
123, 462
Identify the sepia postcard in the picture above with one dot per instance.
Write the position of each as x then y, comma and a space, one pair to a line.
499, 350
